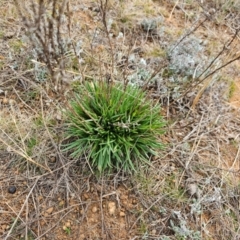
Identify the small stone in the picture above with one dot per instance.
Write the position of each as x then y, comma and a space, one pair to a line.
111, 207
68, 224
5, 101
49, 210
21, 106
61, 203
134, 201
192, 188
3, 227
94, 209
154, 231
12, 102
82, 236
122, 214
123, 197
12, 189
72, 195
53, 159
59, 116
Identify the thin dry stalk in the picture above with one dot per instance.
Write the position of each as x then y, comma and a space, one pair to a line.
45, 33
22, 153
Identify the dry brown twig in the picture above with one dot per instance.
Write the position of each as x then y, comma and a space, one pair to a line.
22, 153
104, 9
44, 31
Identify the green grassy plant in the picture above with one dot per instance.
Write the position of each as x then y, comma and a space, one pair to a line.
116, 126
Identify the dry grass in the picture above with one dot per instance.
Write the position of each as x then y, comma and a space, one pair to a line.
191, 191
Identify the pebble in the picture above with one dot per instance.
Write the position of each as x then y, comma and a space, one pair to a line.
82, 236
94, 209
68, 224
111, 207
5, 101
85, 196
134, 201
49, 210
122, 214
53, 159
123, 197
61, 203
154, 231
12, 189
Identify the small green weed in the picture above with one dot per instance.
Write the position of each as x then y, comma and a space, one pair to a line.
125, 19
67, 230
1, 64
232, 88
16, 45
175, 193
1, 34
31, 143
31, 95
146, 183
38, 121
143, 228
116, 126
157, 52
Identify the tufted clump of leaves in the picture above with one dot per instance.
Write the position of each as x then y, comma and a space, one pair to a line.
116, 126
